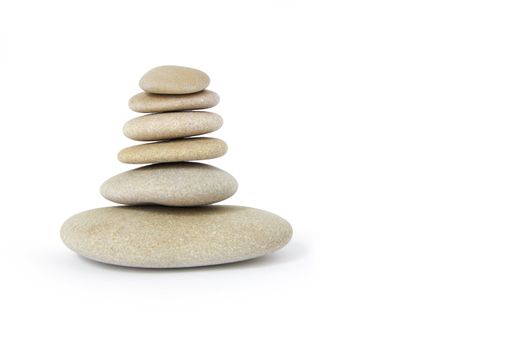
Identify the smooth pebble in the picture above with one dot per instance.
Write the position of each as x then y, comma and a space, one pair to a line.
163, 237
173, 184
152, 103
181, 150
164, 126
174, 80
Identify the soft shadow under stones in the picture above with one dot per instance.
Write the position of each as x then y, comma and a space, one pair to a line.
294, 251
186, 211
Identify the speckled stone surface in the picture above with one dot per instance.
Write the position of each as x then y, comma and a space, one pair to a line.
164, 126
195, 148
173, 184
153, 103
174, 80
165, 237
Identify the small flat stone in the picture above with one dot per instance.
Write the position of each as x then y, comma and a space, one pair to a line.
174, 80
164, 237
153, 103
165, 126
181, 150
173, 184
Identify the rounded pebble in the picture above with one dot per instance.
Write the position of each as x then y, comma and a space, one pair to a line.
153, 103
163, 237
174, 80
164, 126
181, 150
173, 184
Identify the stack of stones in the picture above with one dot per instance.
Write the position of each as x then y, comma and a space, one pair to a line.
167, 220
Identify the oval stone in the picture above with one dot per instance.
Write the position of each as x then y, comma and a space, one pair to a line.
174, 80
197, 148
153, 103
163, 237
164, 126
172, 184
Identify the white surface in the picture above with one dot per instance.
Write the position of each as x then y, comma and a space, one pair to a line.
387, 132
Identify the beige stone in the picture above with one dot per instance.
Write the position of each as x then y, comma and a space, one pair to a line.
173, 184
174, 80
196, 148
152, 103
164, 126
164, 237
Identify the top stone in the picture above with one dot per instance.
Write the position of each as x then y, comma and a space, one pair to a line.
174, 80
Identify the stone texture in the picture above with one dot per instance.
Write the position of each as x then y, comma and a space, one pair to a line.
153, 103
174, 80
173, 184
165, 237
196, 148
164, 126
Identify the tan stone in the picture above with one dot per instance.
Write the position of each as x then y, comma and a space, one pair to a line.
174, 184
164, 237
153, 103
174, 80
181, 150
164, 126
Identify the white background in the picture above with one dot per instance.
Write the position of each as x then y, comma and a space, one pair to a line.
389, 133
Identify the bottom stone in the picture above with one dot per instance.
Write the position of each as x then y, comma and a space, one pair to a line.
168, 237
